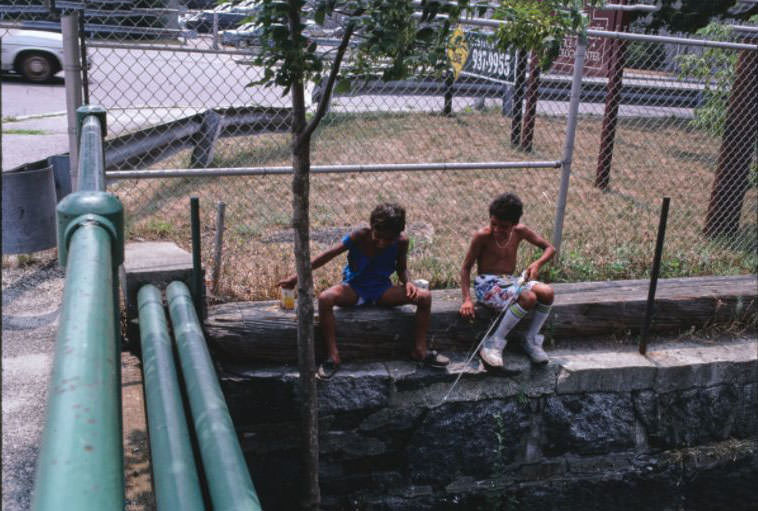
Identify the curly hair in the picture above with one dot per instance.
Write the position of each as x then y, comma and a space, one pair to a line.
389, 218
507, 207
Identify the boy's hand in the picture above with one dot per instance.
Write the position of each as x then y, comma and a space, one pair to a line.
467, 309
289, 282
411, 291
533, 271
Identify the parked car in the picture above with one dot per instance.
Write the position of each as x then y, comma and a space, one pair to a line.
34, 54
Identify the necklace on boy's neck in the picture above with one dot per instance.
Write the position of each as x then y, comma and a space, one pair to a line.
504, 244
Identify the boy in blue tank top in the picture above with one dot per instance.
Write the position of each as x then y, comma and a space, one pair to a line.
373, 255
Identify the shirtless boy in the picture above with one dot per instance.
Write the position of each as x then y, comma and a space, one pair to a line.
494, 249
373, 254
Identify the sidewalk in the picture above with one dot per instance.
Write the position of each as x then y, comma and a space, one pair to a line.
34, 137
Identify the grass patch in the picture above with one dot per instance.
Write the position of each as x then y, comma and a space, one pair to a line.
24, 132
606, 235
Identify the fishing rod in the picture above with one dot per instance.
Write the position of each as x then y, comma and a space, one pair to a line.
519, 286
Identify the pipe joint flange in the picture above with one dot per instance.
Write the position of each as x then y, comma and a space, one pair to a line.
100, 221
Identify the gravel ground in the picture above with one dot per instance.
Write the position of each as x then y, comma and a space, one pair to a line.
32, 296
32, 293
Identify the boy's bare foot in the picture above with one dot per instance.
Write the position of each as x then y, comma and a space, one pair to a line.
431, 359
327, 368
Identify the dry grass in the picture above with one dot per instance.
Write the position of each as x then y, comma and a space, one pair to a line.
607, 235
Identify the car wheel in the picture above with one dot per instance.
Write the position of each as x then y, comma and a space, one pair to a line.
36, 66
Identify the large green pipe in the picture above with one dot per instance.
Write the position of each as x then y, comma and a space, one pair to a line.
80, 464
91, 126
174, 473
229, 482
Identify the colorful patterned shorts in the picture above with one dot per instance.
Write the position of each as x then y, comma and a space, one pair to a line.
497, 290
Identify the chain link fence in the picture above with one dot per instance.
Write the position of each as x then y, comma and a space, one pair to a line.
655, 119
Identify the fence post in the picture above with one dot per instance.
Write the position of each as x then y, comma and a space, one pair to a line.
73, 77
568, 147
218, 246
215, 31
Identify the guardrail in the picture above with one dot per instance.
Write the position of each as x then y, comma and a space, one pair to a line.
80, 464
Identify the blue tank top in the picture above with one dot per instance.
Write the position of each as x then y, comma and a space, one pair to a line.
369, 273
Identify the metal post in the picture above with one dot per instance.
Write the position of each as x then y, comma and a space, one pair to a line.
83, 48
197, 276
568, 148
218, 246
215, 31
228, 478
654, 274
73, 77
176, 482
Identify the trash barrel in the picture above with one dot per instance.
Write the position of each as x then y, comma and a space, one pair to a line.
29, 200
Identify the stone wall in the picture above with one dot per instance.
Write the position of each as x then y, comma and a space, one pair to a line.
675, 430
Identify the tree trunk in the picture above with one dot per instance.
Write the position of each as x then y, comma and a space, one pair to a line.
737, 148
301, 163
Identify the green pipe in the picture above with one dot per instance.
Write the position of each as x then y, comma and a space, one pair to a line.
80, 464
91, 156
174, 473
229, 482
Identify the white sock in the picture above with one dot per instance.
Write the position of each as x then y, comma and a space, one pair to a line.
512, 316
541, 312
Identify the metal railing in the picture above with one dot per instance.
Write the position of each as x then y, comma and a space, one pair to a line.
80, 465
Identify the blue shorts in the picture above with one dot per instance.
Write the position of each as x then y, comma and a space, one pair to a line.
369, 294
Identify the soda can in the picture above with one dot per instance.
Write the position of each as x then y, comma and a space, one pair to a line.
421, 283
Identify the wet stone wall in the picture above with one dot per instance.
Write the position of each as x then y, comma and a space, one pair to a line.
663, 436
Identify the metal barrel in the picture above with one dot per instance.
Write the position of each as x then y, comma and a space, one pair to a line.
80, 465
175, 478
229, 482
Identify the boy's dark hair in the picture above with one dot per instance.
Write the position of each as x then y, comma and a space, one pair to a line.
389, 218
507, 207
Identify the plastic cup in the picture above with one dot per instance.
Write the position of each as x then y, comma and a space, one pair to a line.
288, 298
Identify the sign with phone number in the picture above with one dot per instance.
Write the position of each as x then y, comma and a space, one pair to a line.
474, 54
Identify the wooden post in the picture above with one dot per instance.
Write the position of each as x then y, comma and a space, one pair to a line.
530, 111
449, 81
737, 148
612, 100
518, 99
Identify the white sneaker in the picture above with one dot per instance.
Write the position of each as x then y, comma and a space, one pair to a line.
492, 351
533, 348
